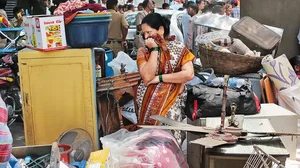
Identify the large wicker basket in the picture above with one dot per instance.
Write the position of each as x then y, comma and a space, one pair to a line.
229, 63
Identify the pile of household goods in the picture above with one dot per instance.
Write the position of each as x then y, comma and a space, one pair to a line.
142, 148
239, 50
77, 24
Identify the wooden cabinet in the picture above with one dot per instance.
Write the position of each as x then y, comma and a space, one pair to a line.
58, 91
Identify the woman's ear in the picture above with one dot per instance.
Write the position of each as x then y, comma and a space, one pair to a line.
161, 31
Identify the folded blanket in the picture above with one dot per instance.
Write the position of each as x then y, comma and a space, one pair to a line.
69, 6
71, 14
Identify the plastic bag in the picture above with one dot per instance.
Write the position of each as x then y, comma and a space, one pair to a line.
144, 148
123, 58
128, 111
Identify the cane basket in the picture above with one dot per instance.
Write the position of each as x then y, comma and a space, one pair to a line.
229, 63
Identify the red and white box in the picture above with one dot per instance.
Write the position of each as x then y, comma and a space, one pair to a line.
45, 33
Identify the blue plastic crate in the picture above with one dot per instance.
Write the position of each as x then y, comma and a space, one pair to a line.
88, 31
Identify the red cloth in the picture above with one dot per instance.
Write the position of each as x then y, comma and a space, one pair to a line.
70, 15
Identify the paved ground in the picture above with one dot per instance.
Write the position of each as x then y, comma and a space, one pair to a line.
17, 131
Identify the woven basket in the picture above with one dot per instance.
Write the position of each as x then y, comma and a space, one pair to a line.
229, 63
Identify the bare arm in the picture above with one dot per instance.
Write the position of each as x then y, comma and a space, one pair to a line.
148, 69
124, 29
124, 32
186, 74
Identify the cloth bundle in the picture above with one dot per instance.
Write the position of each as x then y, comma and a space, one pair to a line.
240, 48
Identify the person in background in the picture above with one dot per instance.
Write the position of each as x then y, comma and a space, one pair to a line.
153, 10
17, 21
103, 3
164, 66
201, 5
130, 2
140, 7
193, 12
208, 8
206, 3
227, 9
236, 10
38, 6
185, 20
125, 8
138, 39
118, 28
295, 62
120, 9
217, 9
130, 9
2, 8
165, 6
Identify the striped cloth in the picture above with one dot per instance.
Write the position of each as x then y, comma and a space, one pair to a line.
5, 136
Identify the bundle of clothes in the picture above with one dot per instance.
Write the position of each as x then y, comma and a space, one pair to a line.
70, 8
220, 41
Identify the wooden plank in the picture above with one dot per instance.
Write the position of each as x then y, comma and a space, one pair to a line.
170, 122
208, 142
191, 129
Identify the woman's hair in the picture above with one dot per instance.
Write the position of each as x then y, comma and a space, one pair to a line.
155, 20
295, 61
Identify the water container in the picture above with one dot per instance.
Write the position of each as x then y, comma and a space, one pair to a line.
87, 31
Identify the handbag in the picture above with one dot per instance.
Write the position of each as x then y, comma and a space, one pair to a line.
206, 101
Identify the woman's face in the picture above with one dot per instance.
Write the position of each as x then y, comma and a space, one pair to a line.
150, 32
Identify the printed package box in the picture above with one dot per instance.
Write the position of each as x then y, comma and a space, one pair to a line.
100, 159
45, 33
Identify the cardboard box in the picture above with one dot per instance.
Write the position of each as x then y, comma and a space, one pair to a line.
45, 33
100, 159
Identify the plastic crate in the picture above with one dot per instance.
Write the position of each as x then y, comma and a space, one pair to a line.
88, 31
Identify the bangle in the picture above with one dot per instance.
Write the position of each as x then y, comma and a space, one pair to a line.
160, 78
154, 49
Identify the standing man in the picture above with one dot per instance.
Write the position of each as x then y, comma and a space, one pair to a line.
185, 20
140, 7
130, 9
193, 10
138, 39
165, 6
118, 28
103, 3
17, 21
235, 13
201, 6
34, 7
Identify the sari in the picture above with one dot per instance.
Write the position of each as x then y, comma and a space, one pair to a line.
164, 99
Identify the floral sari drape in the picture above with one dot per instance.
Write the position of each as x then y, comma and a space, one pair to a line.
157, 99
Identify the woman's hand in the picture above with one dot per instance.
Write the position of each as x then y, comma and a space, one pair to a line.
153, 81
150, 43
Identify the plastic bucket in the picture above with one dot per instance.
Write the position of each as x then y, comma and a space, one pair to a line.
87, 32
65, 150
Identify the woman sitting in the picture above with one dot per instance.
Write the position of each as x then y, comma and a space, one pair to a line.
165, 65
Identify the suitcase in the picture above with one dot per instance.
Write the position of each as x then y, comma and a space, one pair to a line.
255, 35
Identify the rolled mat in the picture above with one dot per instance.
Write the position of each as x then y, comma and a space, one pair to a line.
280, 71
